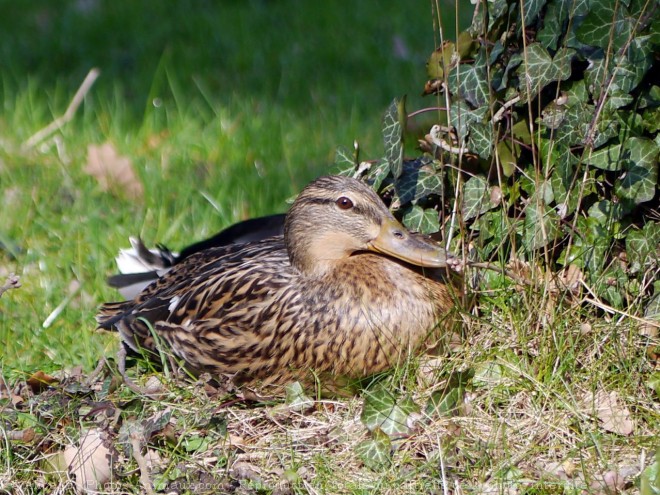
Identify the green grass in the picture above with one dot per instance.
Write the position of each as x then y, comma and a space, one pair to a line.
226, 110
243, 103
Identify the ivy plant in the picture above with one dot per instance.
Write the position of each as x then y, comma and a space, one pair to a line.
545, 147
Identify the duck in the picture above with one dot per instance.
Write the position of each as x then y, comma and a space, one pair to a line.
139, 265
344, 293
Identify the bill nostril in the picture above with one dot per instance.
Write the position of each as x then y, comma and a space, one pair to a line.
398, 234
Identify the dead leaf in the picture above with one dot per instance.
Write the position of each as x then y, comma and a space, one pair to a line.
610, 482
613, 415
243, 470
570, 278
89, 464
40, 381
113, 171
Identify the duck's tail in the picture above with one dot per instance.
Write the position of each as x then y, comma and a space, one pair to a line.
139, 266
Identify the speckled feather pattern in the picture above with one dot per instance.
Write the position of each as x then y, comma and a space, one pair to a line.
248, 312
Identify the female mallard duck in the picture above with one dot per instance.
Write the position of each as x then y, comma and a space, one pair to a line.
342, 293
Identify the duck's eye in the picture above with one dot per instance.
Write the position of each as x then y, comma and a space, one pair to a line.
344, 203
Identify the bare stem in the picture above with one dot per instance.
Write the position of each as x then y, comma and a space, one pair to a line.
59, 122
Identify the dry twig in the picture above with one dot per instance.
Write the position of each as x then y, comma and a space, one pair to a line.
56, 124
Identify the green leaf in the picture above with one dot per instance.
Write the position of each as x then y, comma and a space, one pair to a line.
462, 117
196, 444
345, 161
476, 197
378, 173
654, 384
611, 285
420, 220
383, 410
589, 246
445, 402
470, 81
538, 69
649, 482
652, 310
418, 180
481, 139
605, 24
606, 158
531, 9
296, 398
376, 452
642, 246
606, 212
393, 137
488, 374
507, 158
440, 60
575, 125
638, 183
553, 20
541, 224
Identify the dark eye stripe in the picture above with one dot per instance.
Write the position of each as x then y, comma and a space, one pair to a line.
357, 209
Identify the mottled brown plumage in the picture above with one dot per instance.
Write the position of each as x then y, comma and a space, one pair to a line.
342, 294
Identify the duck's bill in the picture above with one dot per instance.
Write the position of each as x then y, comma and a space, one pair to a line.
396, 241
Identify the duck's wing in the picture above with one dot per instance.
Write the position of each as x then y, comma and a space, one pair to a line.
252, 230
227, 284
139, 266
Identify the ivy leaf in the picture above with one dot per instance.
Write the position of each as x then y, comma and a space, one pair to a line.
541, 224
463, 118
641, 246
649, 482
446, 401
531, 9
440, 60
559, 158
476, 197
376, 452
507, 159
539, 69
606, 158
623, 77
652, 313
639, 181
606, 22
610, 285
589, 246
296, 398
481, 139
605, 211
345, 161
470, 81
575, 124
387, 412
378, 174
553, 20
393, 137
418, 180
420, 220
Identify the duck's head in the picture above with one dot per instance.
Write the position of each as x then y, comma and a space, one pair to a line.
336, 217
